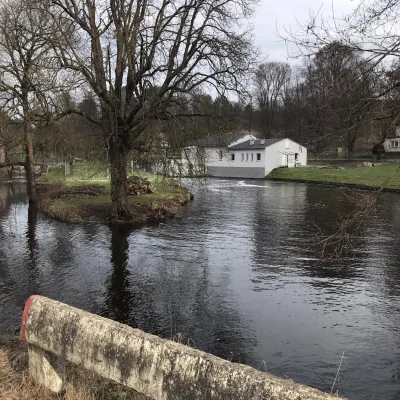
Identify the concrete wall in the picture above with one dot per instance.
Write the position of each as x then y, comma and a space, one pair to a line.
236, 172
154, 367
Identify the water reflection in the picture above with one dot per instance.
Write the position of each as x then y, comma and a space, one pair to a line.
11, 194
119, 300
32, 271
129, 299
31, 233
232, 275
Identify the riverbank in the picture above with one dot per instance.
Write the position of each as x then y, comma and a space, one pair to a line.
15, 383
382, 177
82, 200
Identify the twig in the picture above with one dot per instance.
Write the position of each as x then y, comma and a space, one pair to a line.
337, 374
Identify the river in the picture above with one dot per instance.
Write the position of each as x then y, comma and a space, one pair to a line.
233, 275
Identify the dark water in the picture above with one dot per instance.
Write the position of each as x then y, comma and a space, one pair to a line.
233, 274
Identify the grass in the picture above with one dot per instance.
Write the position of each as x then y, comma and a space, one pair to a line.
15, 383
166, 199
386, 176
55, 175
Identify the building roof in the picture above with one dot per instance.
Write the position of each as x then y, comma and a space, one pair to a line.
258, 144
222, 140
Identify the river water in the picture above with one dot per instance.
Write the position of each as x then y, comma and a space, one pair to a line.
233, 275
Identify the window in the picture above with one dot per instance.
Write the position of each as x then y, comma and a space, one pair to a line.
258, 156
232, 157
296, 156
252, 156
220, 155
247, 156
395, 143
242, 156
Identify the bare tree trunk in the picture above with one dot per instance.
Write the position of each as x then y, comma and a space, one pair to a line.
30, 164
350, 147
119, 196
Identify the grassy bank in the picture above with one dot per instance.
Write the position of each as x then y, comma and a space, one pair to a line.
15, 383
87, 197
383, 176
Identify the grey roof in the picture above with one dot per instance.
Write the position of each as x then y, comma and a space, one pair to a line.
258, 144
221, 140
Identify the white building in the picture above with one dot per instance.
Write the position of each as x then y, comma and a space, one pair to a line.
255, 158
241, 156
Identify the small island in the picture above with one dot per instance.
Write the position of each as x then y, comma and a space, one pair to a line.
85, 197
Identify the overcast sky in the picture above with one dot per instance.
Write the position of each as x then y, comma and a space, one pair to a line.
283, 14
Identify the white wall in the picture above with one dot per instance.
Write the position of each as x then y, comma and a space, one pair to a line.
210, 156
213, 158
283, 154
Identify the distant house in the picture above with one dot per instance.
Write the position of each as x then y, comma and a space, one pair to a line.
392, 143
256, 158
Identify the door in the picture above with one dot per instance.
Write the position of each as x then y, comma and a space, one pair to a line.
284, 161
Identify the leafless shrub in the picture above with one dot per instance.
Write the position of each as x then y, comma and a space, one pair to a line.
335, 245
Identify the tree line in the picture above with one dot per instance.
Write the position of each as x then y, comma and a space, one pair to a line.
336, 98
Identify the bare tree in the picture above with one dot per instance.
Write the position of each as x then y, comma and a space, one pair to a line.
28, 72
337, 85
372, 30
139, 55
271, 82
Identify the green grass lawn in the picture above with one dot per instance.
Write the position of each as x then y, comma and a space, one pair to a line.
386, 176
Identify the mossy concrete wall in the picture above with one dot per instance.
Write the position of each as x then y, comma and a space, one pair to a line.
157, 368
